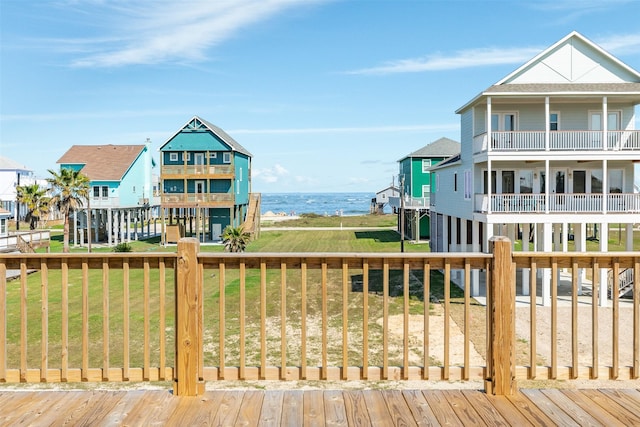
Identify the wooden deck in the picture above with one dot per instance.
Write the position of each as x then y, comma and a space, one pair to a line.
609, 407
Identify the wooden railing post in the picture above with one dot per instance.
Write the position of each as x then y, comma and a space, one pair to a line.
188, 288
501, 320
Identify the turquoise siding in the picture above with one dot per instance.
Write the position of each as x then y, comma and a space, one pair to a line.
73, 167
241, 163
173, 186
219, 186
132, 185
195, 141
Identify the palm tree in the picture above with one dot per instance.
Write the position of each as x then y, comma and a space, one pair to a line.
36, 201
235, 239
70, 189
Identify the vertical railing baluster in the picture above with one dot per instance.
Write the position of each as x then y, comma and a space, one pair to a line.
345, 318
554, 318
221, 318
594, 317
615, 314
325, 319
303, 319
85, 320
64, 313
385, 319
447, 314
125, 318
467, 318
243, 314
263, 319
636, 318
574, 320
426, 299
365, 319
405, 323
283, 320
44, 304
105, 319
3, 321
163, 319
533, 307
145, 314
23, 320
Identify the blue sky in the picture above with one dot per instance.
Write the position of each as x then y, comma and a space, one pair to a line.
326, 95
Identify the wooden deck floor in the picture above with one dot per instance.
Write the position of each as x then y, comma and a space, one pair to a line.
609, 407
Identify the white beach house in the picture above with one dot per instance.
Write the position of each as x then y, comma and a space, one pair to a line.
549, 152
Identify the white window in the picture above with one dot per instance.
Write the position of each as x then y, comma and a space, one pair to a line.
188, 157
554, 120
426, 190
467, 185
426, 164
3, 226
504, 121
613, 120
213, 155
173, 157
226, 157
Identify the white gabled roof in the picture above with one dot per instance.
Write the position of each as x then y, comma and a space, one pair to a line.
574, 65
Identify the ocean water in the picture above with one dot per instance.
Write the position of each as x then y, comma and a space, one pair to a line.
318, 203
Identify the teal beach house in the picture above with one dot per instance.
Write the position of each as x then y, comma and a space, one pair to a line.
205, 182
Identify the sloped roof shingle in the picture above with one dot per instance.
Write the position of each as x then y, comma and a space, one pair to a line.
443, 147
102, 162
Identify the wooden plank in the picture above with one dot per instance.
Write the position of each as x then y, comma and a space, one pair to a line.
594, 317
398, 408
420, 409
283, 320
574, 320
325, 319
356, 408
441, 409
533, 281
612, 406
3, 321
484, 407
582, 417
221, 317
226, 411
602, 416
467, 318
447, 322
385, 319
64, 309
550, 409
105, 319
125, 318
405, 322
121, 409
313, 410
636, 319
345, 319
271, 414
303, 319
534, 415
20, 407
249, 413
85, 320
146, 356
23, 320
99, 407
191, 410
243, 321
615, 322
628, 398
150, 405
505, 408
463, 410
334, 408
554, 318
293, 408
162, 319
263, 319
377, 408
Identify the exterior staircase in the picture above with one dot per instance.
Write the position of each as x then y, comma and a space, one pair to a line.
252, 222
624, 281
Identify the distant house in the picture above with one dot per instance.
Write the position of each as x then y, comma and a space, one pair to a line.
382, 198
121, 198
4, 222
548, 156
416, 182
206, 182
13, 174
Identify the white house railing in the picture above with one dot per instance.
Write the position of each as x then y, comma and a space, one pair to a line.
573, 140
570, 203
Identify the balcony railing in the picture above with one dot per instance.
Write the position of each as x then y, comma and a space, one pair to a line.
197, 169
578, 140
410, 202
559, 203
197, 198
119, 317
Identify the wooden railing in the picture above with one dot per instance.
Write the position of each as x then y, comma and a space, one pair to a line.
277, 316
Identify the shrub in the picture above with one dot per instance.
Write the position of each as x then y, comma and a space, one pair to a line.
122, 247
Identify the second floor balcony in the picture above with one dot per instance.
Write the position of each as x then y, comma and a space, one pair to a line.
576, 203
197, 198
568, 140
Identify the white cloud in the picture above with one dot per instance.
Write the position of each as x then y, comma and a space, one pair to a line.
460, 59
270, 175
151, 32
621, 44
366, 129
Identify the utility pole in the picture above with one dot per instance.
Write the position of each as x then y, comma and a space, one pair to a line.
402, 214
17, 204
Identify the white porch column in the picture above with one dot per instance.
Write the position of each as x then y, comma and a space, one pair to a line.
556, 237
489, 189
463, 235
109, 227
547, 129
489, 130
454, 234
546, 272
605, 124
488, 235
604, 247
580, 239
628, 228
605, 186
128, 225
445, 233
547, 196
565, 237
